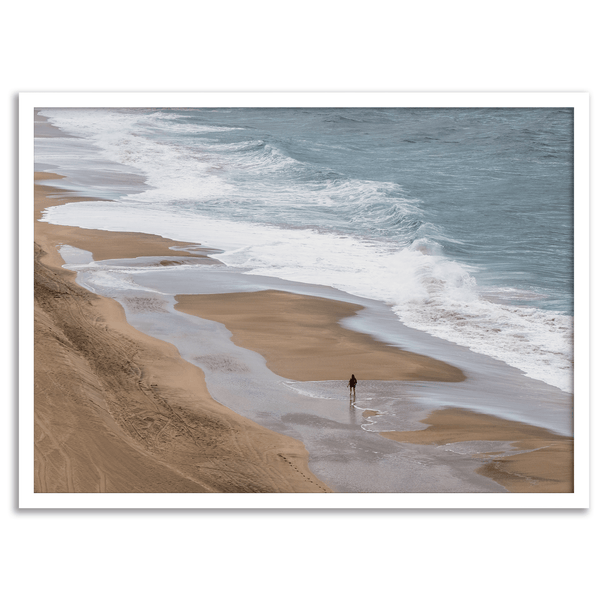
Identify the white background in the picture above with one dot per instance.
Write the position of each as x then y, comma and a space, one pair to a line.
524, 46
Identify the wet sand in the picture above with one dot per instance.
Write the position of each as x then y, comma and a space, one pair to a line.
119, 411
302, 339
544, 463
103, 245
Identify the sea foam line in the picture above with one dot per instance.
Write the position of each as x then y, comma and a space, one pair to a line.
427, 292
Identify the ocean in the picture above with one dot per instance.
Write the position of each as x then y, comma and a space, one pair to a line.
460, 220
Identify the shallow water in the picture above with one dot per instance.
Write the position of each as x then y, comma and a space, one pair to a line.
344, 446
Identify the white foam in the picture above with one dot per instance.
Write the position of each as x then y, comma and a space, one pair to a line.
427, 291
201, 171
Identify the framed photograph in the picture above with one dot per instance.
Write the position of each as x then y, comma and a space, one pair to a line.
320, 300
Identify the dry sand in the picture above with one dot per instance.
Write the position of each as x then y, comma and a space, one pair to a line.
119, 411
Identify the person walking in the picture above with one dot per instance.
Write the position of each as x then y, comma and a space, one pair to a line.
352, 385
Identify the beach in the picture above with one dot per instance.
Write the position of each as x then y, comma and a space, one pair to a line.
160, 368
301, 339
119, 411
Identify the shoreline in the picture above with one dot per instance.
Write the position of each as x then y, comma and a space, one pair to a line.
508, 471
301, 339
542, 461
119, 411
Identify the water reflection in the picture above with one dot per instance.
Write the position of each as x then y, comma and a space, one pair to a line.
352, 410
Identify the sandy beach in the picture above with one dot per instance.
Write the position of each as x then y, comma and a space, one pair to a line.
301, 339
544, 463
120, 411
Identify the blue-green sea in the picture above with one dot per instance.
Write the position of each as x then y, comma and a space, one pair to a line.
460, 219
